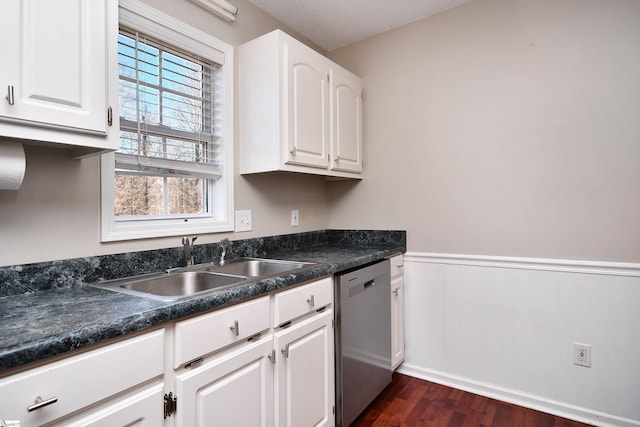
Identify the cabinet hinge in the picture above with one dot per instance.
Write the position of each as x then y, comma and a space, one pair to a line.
194, 363
255, 337
285, 351
110, 116
285, 325
170, 404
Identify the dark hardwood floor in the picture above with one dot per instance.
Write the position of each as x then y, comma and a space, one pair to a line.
409, 402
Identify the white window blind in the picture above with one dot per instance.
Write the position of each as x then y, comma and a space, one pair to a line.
170, 111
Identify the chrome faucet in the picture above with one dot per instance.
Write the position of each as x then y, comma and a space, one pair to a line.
188, 249
224, 244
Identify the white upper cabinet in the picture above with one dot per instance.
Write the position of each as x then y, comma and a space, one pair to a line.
307, 99
346, 120
58, 60
299, 111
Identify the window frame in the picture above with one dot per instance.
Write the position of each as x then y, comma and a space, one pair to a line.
145, 19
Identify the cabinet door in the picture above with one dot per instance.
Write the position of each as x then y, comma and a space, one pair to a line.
143, 408
54, 63
233, 389
304, 373
307, 74
346, 121
397, 321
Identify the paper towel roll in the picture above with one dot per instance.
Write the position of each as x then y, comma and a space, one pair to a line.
12, 165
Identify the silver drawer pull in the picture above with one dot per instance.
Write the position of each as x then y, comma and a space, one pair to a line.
395, 291
39, 403
235, 328
9, 96
311, 301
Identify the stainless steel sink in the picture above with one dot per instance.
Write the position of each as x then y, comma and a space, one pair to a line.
180, 284
172, 286
258, 267
199, 279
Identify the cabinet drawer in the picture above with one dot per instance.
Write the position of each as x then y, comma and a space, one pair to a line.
81, 380
207, 333
139, 409
301, 300
397, 265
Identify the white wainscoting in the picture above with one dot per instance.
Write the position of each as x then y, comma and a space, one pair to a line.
505, 328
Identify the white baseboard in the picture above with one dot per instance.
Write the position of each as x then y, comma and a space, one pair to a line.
519, 398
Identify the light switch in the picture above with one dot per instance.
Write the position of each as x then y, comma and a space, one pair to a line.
243, 221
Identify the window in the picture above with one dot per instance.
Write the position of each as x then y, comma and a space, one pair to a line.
173, 172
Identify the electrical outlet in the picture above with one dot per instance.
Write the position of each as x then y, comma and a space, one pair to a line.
295, 217
582, 354
243, 221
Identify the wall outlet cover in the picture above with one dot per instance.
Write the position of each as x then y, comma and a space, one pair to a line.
295, 217
582, 354
243, 221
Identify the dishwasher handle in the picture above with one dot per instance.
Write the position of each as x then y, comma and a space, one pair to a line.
358, 288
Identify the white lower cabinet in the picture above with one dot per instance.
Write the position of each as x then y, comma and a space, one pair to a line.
304, 372
51, 393
229, 367
280, 374
140, 409
234, 389
397, 311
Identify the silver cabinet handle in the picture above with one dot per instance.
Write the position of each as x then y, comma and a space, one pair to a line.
39, 403
395, 291
337, 159
311, 301
235, 328
9, 96
294, 151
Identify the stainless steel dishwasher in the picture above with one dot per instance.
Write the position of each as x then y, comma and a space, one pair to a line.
362, 338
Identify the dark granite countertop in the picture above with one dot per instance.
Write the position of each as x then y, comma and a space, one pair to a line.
38, 325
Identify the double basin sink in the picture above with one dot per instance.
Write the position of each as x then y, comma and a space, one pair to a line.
189, 281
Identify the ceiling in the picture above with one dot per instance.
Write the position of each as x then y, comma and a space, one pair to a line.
335, 23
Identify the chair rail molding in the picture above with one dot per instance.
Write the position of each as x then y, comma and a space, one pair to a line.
544, 264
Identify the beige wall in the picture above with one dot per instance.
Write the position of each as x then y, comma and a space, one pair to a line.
497, 128
503, 127
56, 213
